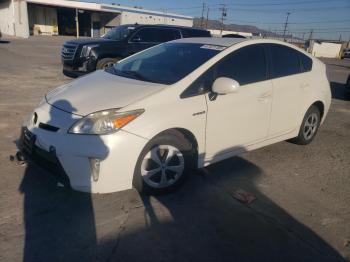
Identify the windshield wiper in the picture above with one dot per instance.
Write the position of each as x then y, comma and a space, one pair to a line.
136, 75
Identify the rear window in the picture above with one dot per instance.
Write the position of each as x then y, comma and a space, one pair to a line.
285, 61
165, 35
195, 33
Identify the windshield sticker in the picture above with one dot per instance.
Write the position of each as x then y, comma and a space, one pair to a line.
213, 47
131, 28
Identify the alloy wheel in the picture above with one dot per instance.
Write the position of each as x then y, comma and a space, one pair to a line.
162, 166
310, 126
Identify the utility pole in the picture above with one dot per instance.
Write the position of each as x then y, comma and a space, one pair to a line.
206, 23
77, 21
202, 17
311, 33
285, 26
223, 10
165, 16
340, 38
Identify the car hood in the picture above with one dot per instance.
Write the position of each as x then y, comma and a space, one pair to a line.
99, 91
89, 41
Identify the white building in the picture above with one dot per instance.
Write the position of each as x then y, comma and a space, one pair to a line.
62, 17
325, 49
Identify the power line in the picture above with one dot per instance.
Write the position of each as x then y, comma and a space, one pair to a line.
255, 4
294, 23
281, 4
301, 10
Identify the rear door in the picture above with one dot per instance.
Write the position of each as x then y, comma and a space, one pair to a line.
288, 84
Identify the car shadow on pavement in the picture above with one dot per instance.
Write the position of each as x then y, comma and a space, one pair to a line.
203, 221
59, 222
339, 91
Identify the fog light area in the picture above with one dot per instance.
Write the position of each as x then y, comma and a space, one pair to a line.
95, 168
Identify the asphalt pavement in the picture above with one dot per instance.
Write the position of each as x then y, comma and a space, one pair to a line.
301, 210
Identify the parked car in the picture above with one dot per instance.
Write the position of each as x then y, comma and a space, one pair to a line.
82, 56
347, 85
346, 53
151, 118
234, 36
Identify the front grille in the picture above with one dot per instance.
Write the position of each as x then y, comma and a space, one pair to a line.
68, 51
42, 158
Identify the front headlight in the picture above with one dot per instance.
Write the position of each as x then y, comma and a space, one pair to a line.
104, 122
86, 50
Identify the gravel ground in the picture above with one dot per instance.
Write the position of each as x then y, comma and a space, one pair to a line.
301, 211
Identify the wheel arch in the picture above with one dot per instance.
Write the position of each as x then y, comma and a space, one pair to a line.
187, 135
320, 105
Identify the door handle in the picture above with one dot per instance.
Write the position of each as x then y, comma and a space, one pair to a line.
264, 97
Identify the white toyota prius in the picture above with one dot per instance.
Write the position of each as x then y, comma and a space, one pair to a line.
151, 118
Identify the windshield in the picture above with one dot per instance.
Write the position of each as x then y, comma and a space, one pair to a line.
166, 63
119, 32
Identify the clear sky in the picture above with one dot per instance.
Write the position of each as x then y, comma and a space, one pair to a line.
328, 18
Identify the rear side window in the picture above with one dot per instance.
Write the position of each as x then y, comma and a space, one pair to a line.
246, 65
284, 60
306, 62
165, 35
195, 33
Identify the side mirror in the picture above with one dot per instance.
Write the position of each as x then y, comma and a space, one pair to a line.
225, 85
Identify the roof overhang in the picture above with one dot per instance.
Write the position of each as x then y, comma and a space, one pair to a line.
72, 4
105, 8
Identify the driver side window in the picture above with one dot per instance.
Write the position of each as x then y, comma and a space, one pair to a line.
144, 35
201, 85
246, 65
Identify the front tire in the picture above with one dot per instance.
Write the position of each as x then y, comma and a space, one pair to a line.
164, 164
309, 126
104, 63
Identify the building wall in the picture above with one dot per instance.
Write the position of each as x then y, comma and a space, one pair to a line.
6, 18
14, 18
132, 18
325, 49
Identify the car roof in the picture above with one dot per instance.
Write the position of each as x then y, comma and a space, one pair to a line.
211, 41
165, 26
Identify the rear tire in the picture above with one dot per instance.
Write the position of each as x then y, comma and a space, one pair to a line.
164, 164
309, 126
104, 63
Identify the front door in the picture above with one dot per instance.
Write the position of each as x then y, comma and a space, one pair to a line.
239, 119
142, 39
